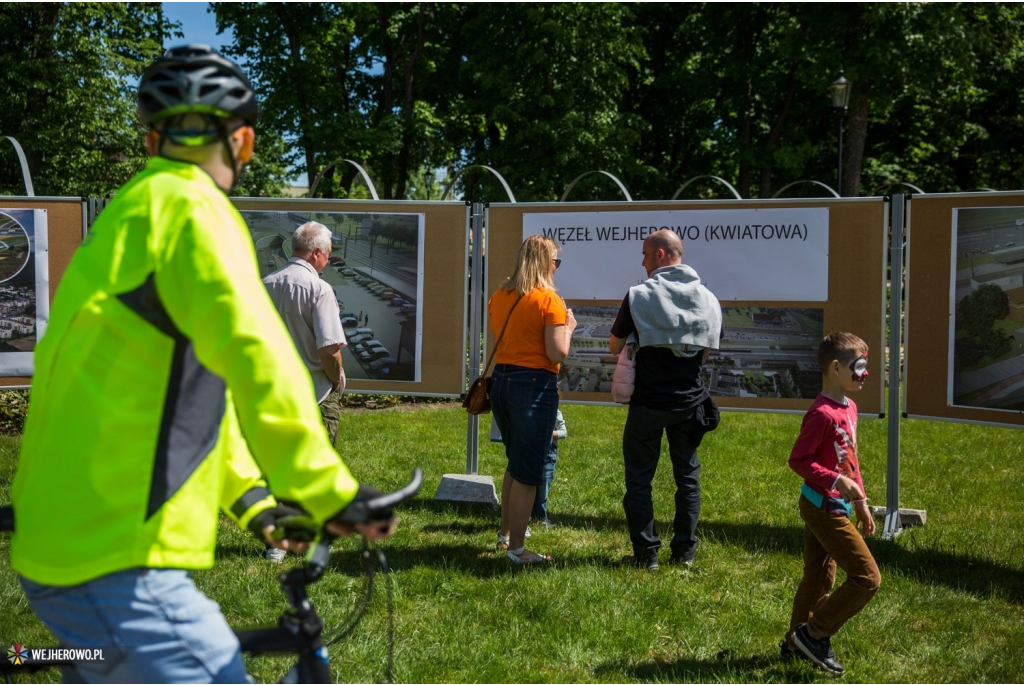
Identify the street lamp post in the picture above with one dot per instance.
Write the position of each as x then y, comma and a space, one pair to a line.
840, 99
429, 178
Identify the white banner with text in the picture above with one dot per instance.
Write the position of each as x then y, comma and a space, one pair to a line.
773, 254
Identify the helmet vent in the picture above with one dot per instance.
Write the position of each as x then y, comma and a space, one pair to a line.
195, 78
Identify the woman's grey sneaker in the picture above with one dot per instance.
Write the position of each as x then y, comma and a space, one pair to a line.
818, 651
275, 555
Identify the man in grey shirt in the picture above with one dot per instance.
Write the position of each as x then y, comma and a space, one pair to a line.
310, 311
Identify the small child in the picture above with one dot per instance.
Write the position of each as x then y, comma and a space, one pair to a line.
540, 504
825, 456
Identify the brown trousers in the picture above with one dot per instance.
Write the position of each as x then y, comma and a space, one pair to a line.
831, 540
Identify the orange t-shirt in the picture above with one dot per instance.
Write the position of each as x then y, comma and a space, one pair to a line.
523, 342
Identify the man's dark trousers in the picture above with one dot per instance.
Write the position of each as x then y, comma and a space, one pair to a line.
641, 447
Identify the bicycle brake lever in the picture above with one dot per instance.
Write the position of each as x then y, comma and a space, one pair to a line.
379, 506
317, 558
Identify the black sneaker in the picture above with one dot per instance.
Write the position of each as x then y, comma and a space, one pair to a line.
687, 564
818, 651
650, 563
788, 653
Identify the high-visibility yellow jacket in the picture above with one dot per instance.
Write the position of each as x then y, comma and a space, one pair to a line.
163, 350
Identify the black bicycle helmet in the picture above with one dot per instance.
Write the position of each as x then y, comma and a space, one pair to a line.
195, 78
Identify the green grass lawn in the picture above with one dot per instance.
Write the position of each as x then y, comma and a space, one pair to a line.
949, 610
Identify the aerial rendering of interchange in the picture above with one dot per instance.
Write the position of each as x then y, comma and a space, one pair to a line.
373, 270
989, 251
17, 288
765, 352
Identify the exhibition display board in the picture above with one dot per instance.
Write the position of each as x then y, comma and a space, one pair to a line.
38, 236
965, 308
399, 272
786, 272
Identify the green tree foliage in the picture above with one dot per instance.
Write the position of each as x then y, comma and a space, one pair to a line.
978, 311
342, 80
537, 92
654, 93
68, 73
267, 173
976, 315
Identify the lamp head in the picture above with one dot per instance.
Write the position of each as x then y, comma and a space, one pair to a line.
840, 89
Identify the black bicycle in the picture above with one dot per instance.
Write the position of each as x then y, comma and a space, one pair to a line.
300, 629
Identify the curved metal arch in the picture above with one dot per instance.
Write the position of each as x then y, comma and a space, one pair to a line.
457, 176
579, 178
25, 175
900, 183
912, 187
361, 170
728, 185
796, 183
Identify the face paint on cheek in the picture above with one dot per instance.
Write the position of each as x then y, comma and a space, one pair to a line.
860, 368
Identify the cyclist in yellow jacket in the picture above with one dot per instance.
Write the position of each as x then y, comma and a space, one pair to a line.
163, 367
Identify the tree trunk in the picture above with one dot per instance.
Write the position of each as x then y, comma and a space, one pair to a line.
41, 51
855, 139
408, 108
765, 189
348, 174
386, 101
295, 57
744, 177
327, 183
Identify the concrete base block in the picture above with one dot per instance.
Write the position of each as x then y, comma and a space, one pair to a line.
908, 517
458, 487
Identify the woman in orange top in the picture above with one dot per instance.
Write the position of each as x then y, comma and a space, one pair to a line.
523, 390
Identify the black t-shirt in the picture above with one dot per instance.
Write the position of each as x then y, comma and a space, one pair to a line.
663, 380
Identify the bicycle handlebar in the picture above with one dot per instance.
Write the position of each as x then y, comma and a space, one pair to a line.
319, 554
379, 507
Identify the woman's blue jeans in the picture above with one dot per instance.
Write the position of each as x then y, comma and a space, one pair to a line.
524, 402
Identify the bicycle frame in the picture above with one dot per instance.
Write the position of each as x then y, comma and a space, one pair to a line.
300, 628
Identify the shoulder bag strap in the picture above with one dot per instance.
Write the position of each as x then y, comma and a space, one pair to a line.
500, 335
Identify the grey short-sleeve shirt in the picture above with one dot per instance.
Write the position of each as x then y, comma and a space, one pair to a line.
309, 309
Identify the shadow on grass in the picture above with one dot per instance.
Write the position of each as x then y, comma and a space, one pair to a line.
961, 572
723, 668
232, 549
480, 561
491, 517
756, 537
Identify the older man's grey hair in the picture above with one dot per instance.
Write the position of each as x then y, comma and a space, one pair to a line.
310, 236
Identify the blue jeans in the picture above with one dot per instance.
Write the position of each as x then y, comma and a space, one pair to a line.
524, 402
641, 449
540, 505
154, 622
